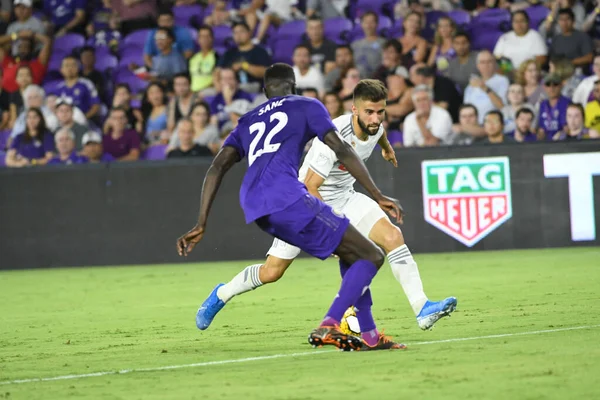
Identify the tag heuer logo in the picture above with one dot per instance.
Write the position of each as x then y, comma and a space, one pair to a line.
467, 198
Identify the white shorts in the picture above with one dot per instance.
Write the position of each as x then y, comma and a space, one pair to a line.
361, 210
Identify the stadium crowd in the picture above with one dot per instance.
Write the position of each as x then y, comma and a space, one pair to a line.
122, 80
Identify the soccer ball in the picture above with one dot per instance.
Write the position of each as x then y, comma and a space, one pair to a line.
349, 324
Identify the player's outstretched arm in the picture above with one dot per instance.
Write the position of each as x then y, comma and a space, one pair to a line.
346, 154
387, 151
224, 160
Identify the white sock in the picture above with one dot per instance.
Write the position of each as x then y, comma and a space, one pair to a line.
406, 272
243, 282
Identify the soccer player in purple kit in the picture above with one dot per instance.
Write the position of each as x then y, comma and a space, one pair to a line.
273, 137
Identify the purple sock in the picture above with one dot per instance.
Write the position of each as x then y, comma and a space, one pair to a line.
357, 278
371, 337
366, 322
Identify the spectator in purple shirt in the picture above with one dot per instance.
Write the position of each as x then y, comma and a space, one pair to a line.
65, 146
575, 128
81, 90
66, 15
552, 116
93, 149
229, 92
121, 143
523, 126
35, 146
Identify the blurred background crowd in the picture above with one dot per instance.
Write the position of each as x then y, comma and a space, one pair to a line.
124, 80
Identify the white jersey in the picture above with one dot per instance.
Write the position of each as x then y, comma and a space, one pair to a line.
339, 183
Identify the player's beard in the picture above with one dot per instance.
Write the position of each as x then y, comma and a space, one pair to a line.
367, 129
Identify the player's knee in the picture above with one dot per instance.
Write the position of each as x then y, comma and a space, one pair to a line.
392, 239
377, 257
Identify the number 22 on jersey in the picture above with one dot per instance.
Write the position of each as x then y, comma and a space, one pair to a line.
259, 128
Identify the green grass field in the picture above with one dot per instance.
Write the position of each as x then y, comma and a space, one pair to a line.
82, 321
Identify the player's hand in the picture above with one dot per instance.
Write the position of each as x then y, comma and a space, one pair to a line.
390, 156
392, 207
187, 242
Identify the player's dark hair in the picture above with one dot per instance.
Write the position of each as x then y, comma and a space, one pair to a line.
279, 80
567, 11
498, 114
468, 105
524, 110
370, 90
395, 44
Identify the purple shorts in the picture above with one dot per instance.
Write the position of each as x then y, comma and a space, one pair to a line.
308, 224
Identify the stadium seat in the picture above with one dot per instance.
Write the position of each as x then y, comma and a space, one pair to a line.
135, 39
461, 18
431, 19
359, 7
124, 75
396, 31
395, 137
493, 16
223, 36
132, 55
4, 135
383, 29
485, 39
106, 62
537, 14
156, 152
292, 30
50, 85
184, 15
338, 29
284, 49
67, 43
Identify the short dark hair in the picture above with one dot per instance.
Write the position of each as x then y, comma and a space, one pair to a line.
395, 44
279, 72
309, 89
426, 72
567, 11
182, 75
522, 12
168, 31
462, 34
315, 18
370, 13
370, 90
468, 105
498, 114
302, 46
345, 46
87, 48
240, 23
69, 56
524, 110
124, 86
579, 107
165, 11
207, 28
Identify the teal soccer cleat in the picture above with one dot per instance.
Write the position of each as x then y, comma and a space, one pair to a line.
432, 311
209, 309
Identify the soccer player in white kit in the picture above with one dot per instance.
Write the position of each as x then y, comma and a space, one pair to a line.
326, 178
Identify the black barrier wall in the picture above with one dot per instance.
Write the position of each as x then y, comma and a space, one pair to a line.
132, 213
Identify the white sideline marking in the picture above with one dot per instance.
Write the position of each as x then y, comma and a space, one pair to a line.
248, 359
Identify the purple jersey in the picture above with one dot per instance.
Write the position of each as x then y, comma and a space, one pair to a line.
273, 137
34, 149
83, 93
553, 119
62, 11
74, 158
